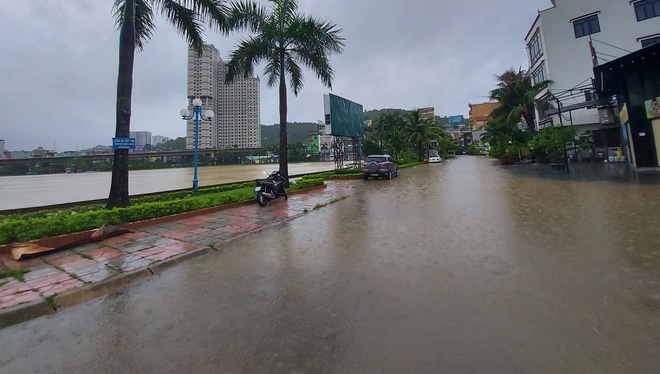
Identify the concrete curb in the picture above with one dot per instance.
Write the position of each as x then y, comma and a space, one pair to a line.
24, 312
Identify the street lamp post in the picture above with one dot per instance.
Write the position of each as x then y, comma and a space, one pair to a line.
196, 114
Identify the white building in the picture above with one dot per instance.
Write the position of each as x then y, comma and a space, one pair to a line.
142, 140
567, 40
158, 139
237, 120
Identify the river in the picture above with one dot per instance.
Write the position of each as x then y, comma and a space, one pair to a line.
27, 191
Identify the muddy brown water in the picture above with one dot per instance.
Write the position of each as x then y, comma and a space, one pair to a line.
42, 190
461, 267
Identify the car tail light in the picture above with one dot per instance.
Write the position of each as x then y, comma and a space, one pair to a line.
386, 163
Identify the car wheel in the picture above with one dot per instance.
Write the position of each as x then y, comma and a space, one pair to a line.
376, 178
365, 176
389, 175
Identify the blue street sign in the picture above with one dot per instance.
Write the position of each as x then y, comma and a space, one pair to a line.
123, 143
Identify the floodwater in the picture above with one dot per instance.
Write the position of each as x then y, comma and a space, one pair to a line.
41, 190
459, 267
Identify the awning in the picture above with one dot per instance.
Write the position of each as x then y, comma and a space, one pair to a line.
610, 76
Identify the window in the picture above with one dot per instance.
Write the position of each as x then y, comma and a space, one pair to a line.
534, 47
650, 41
646, 9
586, 26
538, 75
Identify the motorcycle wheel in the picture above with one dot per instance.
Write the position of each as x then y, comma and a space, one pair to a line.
262, 200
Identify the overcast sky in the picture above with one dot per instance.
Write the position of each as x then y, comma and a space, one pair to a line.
59, 65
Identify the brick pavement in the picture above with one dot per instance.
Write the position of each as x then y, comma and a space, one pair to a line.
74, 275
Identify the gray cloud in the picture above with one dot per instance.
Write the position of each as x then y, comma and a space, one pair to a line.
59, 65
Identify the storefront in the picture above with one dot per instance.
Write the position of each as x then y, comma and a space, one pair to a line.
635, 81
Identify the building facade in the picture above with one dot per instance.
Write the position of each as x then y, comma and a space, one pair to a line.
480, 114
634, 83
158, 139
142, 140
566, 42
237, 119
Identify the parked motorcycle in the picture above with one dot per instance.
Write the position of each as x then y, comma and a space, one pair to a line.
270, 188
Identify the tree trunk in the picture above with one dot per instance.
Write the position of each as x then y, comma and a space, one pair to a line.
119, 186
284, 162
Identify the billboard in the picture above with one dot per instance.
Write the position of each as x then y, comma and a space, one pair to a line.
652, 108
343, 117
455, 119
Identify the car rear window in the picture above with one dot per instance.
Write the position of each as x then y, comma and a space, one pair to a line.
376, 159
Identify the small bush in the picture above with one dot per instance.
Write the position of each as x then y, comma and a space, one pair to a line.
32, 226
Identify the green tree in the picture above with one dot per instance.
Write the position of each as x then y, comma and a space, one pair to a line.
515, 92
551, 142
134, 19
172, 144
284, 40
420, 130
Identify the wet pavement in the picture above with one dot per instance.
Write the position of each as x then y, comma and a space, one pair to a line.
464, 266
57, 274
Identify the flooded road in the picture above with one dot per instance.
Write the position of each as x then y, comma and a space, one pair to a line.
458, 267
40, 190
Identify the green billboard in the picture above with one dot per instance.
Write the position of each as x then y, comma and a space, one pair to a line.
343, 117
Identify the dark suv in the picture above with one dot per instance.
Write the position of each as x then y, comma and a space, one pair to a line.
380, 166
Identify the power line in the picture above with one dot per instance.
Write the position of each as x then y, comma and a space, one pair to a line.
613, 46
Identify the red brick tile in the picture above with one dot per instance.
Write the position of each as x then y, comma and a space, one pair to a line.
19, 298
176, 234
48, 280
163, 255
72, 262
116, 240
59, 287
136, 235
204, 218
103, 254
149, 252
199, 230
182, 246
13, 287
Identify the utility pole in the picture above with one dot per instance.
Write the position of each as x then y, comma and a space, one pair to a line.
561, 124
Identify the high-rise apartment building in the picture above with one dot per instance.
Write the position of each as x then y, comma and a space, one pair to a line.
142, 140
236, 106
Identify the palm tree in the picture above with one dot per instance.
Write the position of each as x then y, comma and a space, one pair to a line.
134, 18
284, 40
421, 130
516, 93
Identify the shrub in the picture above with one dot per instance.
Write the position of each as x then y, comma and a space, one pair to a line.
32, 226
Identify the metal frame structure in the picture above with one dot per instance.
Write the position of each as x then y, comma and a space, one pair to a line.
337, 149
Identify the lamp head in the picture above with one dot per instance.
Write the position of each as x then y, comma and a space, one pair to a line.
184, 112
209, 113
197, 102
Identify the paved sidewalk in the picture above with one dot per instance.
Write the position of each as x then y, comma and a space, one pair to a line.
72, 276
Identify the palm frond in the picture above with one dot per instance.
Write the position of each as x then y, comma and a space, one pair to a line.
248, 53
185, 20
295, 73
246, 15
